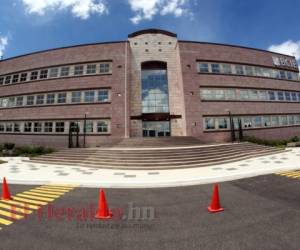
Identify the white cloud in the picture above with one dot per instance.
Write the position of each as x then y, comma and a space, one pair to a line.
79, 8
146, 9
289, 48
3, 44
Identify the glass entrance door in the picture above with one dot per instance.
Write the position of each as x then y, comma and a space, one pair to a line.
156, 129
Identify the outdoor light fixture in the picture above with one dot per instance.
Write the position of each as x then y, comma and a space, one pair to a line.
84, 128
231, 125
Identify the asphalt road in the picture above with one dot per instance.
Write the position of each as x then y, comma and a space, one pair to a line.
260, 213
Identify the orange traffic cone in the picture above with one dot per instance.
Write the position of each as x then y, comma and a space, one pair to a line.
103, 211
215, 205
5, 191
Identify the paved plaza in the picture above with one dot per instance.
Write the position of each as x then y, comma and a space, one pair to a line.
19, 172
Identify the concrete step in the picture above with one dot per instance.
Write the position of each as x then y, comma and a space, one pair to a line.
175, 157
156, 158
168, 152
141, 163
158, 167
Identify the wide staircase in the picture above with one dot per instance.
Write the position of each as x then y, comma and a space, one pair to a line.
149, 142
159, 154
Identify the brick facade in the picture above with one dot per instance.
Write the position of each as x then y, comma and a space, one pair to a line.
186, 107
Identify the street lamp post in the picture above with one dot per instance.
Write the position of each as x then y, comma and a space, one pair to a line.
231, 126
84, 129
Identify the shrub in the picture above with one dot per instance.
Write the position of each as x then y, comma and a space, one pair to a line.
32, 150
272, 143
9, 146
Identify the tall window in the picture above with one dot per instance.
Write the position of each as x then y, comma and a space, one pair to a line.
155, 93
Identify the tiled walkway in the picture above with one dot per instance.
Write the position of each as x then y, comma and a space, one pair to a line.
20, 172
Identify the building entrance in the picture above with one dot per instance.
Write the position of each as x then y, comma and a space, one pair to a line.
156, 128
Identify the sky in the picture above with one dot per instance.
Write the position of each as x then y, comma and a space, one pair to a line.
33, 25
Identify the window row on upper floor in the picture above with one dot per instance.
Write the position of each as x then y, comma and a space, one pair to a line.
219, 94
59, 98
246, 70
56, 72
59, 127
248, 122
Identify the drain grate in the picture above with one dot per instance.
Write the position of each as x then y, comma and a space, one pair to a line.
119, 173
130, 176
217, 168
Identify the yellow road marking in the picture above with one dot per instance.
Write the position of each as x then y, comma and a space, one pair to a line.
63, 185
295, 176
34, 197
5, 222
64, 191
11, 215
21, 204
59, 188
46, 191
285, 173
15, 209
32, 192
30, 201
292, 174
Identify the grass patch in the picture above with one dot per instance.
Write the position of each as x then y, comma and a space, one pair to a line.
1, 162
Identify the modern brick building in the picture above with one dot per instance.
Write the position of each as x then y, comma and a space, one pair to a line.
149, 85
